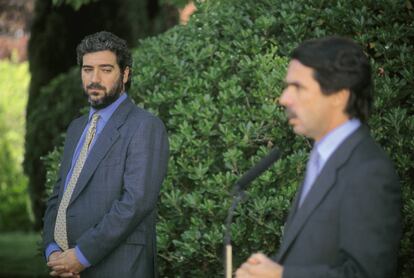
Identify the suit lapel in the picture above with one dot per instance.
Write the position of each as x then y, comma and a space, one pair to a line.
323, 184
294, 208
71, 143
106, 139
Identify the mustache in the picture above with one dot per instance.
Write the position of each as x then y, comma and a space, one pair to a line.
95, 86
290, 114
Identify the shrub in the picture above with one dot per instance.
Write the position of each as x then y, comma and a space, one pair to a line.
216, 94
14, 212
62, 92
13, 186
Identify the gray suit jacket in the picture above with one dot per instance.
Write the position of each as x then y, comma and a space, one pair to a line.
112, 212
349, 224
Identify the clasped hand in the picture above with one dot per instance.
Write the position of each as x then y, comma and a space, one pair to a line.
65, 264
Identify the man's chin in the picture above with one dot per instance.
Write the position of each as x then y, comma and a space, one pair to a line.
97, 104
100, 103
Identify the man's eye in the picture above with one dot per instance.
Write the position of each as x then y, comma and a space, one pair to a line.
107, 70
87, 69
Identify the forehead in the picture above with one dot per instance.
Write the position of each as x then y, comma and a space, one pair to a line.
105, 57
298, 72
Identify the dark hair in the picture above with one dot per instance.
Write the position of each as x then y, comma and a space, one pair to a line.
107, 41
340, 63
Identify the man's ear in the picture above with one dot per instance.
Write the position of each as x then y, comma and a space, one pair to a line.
125, 75
341, 98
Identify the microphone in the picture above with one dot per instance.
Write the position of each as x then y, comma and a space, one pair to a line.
257, 170
239, 186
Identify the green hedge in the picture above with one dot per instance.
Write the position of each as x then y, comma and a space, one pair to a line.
216, 83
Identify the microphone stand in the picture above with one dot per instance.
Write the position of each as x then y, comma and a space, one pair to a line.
238, 193
238, 196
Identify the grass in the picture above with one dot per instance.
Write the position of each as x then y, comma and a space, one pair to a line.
20, 256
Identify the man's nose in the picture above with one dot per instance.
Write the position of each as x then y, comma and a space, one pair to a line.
284, 98
96, 77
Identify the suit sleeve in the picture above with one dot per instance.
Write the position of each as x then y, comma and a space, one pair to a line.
146, 167
370, 228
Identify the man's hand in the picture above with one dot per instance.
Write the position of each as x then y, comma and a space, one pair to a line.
65, 264
54, 256
258, 265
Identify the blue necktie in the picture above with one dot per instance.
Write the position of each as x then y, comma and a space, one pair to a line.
312, 171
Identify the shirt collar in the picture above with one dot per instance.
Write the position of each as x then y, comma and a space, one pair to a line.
107, 112
328, 144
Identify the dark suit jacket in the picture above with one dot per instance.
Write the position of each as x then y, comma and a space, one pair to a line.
349, 224
112, 212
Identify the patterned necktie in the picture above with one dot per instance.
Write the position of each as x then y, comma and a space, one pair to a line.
312, 171
60, 235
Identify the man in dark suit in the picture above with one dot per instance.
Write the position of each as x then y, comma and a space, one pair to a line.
100, 218
345, 219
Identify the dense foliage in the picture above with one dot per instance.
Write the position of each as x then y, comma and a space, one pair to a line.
14, 212
216, 82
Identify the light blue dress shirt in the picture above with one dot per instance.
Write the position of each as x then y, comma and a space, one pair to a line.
105, 115
326, 147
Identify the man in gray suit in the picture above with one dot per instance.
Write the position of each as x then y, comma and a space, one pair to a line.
100, 218
345, 219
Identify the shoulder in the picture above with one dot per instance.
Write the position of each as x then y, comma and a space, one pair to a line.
140, 117
360, 146
368, 150
369, 161
78, 122
145, 129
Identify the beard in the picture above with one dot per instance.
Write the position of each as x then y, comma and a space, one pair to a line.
108, 97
